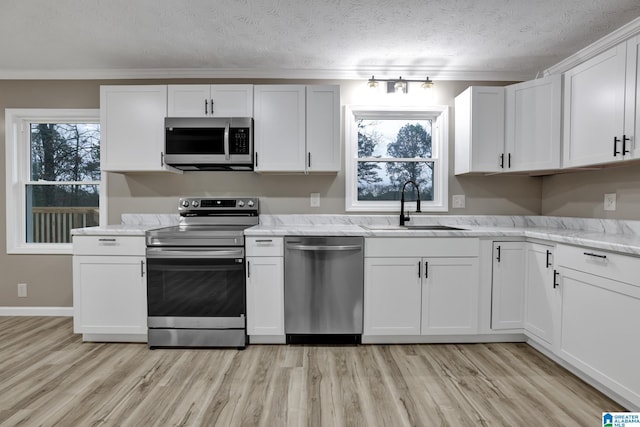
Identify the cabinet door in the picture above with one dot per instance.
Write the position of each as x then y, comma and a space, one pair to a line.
600, 319
542, 297
532, 128
109, 295
323, 128
132, 128
594, 100
188, 100
632, 97
507, 304
392, 292
265, 296
450, 296
479, 130
232, 100
279, 128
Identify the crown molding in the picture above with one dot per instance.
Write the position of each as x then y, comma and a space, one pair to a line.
607, 42
250, 73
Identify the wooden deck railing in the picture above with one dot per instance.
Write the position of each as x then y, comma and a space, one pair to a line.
54, 224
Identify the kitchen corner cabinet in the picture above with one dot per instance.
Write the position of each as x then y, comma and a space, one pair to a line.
210, 101
532, 125
416, 286
600, 317
132, 128
507, 294
600, 114
265, 289
479, 130
110, 288
542, 296
297, 128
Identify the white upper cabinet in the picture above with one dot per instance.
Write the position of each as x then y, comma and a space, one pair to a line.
132, 128
509, 129
533, 124
297, 128
632, 97
594, 109
479, 130
210, 101
323, 128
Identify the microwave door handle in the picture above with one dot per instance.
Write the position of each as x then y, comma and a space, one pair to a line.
226, 141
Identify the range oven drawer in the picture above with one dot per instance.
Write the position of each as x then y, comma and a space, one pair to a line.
197, 338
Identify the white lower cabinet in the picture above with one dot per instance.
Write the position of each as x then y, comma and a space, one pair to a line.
265, 296
420, 295
392, 296
542, 296
265, 289
450, 296
507, 294
110, 291
600, 317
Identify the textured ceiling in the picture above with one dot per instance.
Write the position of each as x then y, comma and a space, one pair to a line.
303, 38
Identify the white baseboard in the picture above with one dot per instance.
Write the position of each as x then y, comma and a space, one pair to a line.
37, 311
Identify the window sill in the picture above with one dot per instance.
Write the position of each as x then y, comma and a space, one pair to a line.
41, 249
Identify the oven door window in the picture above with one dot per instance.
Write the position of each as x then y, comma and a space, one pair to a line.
196, 287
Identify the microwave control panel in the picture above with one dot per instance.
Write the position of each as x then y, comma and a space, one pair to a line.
239, 141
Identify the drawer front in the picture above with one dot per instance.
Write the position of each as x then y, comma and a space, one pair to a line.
421, 247
622, 268
109, 245
264, 246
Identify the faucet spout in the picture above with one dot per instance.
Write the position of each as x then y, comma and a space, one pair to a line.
403, 217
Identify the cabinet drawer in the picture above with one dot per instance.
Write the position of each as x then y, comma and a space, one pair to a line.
421, 247
109, 245
264, 246
622, 268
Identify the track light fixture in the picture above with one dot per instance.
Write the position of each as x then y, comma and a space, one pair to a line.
399, 85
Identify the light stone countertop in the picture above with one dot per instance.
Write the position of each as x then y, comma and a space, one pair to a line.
610, 235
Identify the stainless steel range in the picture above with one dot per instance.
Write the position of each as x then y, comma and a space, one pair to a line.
196, 291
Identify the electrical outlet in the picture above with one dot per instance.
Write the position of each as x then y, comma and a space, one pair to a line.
22, 290
458, 201
314, 200
610, 202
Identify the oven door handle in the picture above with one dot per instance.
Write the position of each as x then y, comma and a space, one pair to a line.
325, 247
194, 253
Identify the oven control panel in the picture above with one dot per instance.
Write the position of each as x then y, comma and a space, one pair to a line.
194, 205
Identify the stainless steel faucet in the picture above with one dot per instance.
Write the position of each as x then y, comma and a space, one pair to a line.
404, 217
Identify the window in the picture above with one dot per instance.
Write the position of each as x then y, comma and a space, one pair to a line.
386, 147
53, 177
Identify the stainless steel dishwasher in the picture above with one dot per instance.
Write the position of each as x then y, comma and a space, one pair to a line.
323, 289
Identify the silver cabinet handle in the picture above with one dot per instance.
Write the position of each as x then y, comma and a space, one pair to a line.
141, 268
105, 240
325, 248
264, 240
226, 136
249, 269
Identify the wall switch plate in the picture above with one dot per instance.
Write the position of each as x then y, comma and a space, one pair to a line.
458, 201
22, 290
314, 200
610, 202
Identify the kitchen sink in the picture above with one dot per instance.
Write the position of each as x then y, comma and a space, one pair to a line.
436, 227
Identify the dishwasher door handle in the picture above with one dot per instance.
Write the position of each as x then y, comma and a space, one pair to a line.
325, 247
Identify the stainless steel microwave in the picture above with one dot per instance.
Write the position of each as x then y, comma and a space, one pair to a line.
209, 143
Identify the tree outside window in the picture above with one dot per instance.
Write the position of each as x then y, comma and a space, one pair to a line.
63, 191
391, 152
388, 145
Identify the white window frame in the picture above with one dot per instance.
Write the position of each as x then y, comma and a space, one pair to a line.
18, 158
439, 148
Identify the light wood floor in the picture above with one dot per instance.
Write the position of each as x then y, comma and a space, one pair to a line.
49, 377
